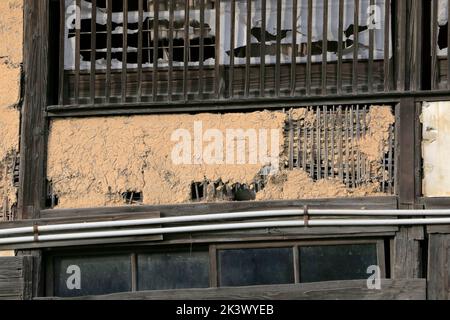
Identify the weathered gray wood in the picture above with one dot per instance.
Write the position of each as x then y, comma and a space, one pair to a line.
15, 275
444, 229
407, 255
438, 286
34, 124
412, 289
405, 150
435, 203
207, 208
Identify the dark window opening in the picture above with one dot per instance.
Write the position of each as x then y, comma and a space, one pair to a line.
246, 267
336, 262
173, 270
132, 197
170, 268
52, 199
216, 191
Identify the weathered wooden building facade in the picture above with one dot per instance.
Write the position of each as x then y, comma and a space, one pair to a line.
328, 71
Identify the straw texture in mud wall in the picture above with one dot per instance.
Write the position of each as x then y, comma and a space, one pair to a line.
11, 19
93, 161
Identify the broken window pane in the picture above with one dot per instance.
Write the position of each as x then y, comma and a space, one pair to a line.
370, 18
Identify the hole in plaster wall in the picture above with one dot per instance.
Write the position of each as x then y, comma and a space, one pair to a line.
132, 197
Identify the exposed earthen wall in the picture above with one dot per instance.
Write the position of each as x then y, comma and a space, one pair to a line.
11, 42
92, 161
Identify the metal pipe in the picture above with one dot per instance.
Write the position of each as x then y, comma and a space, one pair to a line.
228, 226
225, 216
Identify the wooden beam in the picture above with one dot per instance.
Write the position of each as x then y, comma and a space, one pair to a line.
407, 255
406, 153
387, 202
34, 126
413, 289
15, 281
438, 271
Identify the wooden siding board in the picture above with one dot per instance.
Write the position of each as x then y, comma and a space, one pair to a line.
412, 289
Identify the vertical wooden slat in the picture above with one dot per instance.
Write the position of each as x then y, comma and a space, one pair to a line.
213, 268
405, 147
324, 47
390, 159
77, 52
93, 49
296, 259
333, 141
340, 45
318, 143
294, 47
248, 48
62, 31
340, 148
232, 44
108, 50
186, 49
401, 45
278, 48
434, 43
309, 49
133, 262
355, 47
299, 144
448, 45
217, 50
325, 138
352, 145
124, 50
311, 143
155, 49
201, 50
291, 141
371, 50
262, 75
139, 53
358, 152
387, 44
31, 193
347, 148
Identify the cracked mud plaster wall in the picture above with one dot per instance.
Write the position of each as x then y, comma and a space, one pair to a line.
11, 42
91, 161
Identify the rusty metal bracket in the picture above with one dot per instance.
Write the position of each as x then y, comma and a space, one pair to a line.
36, 232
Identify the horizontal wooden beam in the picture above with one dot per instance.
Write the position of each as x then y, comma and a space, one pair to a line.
412, 289
384, 202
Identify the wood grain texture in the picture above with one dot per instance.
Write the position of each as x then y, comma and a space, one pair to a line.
438, 286
407, 255
15, 281
413, 289
34, 125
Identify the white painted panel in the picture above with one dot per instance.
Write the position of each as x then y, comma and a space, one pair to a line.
436, 149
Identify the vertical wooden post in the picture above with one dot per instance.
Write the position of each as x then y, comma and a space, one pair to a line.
34, 127
405, 169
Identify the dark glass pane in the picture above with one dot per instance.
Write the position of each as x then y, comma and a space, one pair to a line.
173, 270
336, 262
98, 275
246, 267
